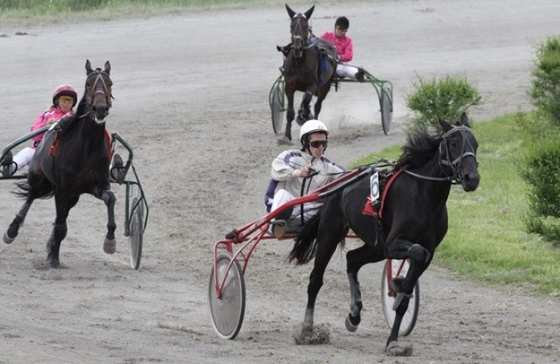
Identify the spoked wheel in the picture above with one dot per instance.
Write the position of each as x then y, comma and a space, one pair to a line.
227, 310
386, 104
136, 232
276, 100
399, 269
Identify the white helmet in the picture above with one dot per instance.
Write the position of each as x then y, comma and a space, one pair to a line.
310, 127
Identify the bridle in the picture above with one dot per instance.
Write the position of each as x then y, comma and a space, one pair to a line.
445, 157
100, 87
299, 37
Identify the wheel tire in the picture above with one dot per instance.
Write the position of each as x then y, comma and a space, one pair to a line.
386, 105
277, 108
227, 312
409, 318
136, 233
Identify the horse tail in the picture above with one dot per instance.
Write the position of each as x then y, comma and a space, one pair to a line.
44, 190
305, 246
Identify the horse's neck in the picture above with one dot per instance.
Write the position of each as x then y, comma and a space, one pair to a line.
86, 132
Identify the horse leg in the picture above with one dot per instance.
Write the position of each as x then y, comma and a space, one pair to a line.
304, 112
110, 243
355, 260
317, 107
327, 240
420, 259
60, 228
13, 229
290, 115
37, 186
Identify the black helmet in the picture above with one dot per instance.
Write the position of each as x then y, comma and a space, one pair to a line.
342, 22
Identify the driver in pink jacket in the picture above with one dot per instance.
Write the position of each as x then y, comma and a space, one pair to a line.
64, 99
344, 48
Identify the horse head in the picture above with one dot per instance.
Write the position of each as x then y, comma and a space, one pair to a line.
458, 152
299, 28
98, 91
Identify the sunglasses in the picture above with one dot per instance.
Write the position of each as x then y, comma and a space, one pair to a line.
318, 143
66, 99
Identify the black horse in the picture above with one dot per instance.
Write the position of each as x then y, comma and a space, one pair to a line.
73, 159
309, 67
410, 223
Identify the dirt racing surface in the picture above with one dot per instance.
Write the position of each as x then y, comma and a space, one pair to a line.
191, 97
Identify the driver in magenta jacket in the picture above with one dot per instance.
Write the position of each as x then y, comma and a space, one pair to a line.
344, 48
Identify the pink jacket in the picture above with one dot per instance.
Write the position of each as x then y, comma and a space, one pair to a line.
343, 46
43, 119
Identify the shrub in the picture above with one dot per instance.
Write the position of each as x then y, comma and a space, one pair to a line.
545, 83
445, 98
540, 168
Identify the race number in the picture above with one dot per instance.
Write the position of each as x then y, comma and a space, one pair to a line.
374, 186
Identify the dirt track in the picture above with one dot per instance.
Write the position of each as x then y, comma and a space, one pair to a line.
191, 97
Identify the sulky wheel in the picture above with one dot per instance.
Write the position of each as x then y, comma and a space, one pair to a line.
277, 107
409, 319
386, 102
227, 310
136, 229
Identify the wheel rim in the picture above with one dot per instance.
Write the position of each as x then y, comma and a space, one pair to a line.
136, 234
386, 111
409, 318
277, 108
227, 311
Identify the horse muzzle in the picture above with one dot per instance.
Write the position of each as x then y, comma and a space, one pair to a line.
470, 179
100, 113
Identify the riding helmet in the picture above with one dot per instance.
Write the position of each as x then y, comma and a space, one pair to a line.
65, 90
342, 22
310, 127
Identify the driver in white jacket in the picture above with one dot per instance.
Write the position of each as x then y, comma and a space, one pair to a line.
295, 169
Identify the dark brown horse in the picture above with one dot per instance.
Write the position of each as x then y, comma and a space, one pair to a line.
410, 224
308, 68
73, 159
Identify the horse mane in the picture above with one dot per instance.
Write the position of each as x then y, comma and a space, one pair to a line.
70, 120
419, 149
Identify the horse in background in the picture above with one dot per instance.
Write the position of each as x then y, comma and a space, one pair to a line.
409, 224
72, 159
309, 67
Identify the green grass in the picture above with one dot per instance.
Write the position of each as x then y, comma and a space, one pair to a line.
33, 12
486, 240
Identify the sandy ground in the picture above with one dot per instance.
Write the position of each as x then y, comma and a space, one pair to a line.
191, 97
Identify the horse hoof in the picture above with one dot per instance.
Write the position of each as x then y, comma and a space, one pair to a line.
395, 349
313, 336
352, 326
7, 239
284, 141
110, 246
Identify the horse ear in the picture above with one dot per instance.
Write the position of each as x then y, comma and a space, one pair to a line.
291, 13
107, 68
445, 125
465, 120
309, 12
88, 67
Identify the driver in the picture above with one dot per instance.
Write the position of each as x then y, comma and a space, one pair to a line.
345, 49
297, 172
64, 99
